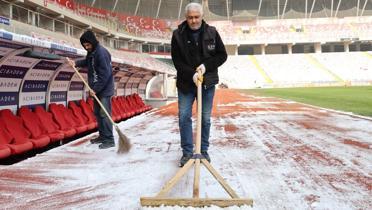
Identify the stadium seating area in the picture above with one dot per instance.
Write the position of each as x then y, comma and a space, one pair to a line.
120, 22
30, 130
352, 68
288, 31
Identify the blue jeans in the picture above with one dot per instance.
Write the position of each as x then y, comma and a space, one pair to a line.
185, 101
104, 124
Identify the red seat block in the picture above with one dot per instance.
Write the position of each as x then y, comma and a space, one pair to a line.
116, 116
16, 128
72, 120
59, 117
16, 146
88, 111
4, 151
78, 113
48, 123
34, 125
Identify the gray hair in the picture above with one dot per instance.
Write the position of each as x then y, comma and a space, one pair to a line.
193, 6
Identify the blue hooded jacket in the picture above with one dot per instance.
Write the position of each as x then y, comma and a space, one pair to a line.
100, 77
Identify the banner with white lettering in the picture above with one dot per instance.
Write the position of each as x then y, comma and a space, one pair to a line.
75, 92
36, 82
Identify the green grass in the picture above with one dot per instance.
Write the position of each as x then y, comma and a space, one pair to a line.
350, 99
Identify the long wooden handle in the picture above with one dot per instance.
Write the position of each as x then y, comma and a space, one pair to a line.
90, 89
199, 115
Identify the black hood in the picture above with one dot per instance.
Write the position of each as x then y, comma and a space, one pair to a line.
89, 37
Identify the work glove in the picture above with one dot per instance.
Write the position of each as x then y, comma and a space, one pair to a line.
202, 68
196, 77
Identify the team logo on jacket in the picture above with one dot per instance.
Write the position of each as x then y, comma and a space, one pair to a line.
211, 47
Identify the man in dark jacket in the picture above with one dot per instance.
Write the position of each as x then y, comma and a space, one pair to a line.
101, 81
196, 46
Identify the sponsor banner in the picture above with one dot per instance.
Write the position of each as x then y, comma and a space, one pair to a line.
76, 77
83, 70
69, 4
20, 61
8, 98
120, 92
63, 48
11, 45
12, 71
124, 79
121, 85
37, 74
31, 41
64, 76
141, 91
47, 65
4, 20
76, 86
5, 51
35, 86
128, 91
10, 84
6, 35
75, 95
58, 96
32, 98
136, 80
59, 86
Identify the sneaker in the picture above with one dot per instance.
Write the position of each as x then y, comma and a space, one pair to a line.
184, 159
106, 145
206, 156
96, 140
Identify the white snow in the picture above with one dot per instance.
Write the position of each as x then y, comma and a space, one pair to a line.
271, 157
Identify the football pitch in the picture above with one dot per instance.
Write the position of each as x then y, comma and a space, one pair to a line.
357, 100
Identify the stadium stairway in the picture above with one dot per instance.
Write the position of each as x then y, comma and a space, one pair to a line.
260, 69
320, 66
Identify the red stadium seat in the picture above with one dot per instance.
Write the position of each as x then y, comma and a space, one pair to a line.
126, 106
4, 150
117, 104
34, 125
91, 103
115, 114
88, 111
72, 120
16, 146
15, 127
78, 113
59, 117
47, 122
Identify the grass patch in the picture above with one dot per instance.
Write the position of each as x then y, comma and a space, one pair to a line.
350, 99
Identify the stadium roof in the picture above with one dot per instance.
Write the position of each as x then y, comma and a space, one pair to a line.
239, 9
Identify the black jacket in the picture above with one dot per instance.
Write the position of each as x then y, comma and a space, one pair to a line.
212, 55
100, 77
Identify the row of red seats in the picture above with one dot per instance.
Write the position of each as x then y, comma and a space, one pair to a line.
37, 129
124, 107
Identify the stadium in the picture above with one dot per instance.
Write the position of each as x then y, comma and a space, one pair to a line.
291, 115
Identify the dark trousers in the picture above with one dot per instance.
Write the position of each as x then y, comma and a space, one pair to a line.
185, 101
104, 124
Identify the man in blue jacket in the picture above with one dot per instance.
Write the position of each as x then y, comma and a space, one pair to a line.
101, 81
